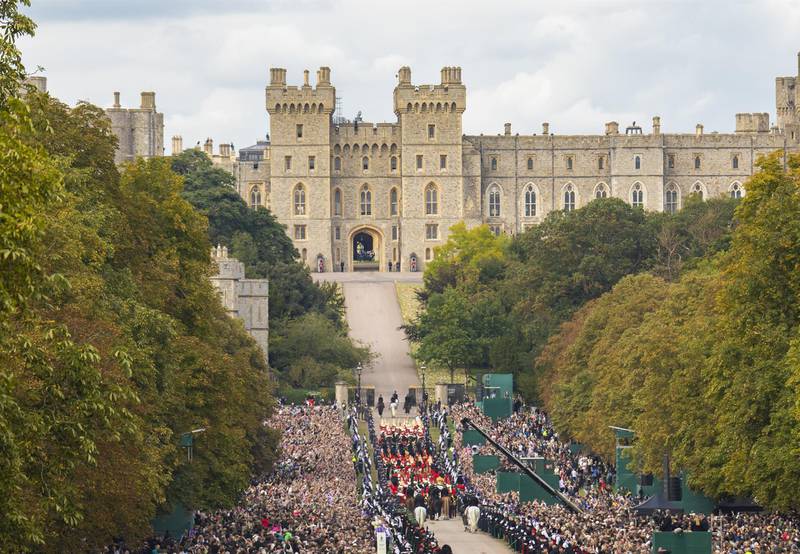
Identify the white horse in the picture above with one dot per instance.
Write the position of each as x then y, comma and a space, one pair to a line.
420, 513
473, 515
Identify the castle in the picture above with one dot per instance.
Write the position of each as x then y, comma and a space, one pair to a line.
358, 195
245, 299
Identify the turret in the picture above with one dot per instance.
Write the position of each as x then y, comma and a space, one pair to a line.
148, 101
208, 147
177, 145
656, 125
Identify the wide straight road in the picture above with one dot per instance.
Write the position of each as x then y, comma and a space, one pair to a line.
373, 315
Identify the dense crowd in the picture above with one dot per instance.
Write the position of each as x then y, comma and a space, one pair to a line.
308, 503
608, 521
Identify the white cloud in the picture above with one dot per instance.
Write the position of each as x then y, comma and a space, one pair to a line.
574, 64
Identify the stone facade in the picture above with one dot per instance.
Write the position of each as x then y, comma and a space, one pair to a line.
404, 184
139, 131
246, 299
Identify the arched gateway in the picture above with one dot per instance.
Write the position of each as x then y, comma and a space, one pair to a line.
366, 249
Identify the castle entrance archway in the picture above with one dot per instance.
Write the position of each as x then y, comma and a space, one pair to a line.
366, 249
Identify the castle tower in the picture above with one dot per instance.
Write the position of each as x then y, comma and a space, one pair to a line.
300, 158
431, 158
787, 104
139, 131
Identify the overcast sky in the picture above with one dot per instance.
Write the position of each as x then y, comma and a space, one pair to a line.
574, 64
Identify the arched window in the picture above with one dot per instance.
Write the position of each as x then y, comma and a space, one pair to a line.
697, 162
393, 163
427, 254
337, 202
366, 200
300, 200
365, 163
304, 254
431, 200
735, 162
697, 189
337, 163
493, 164
530, 164
637, 162
255, 197
736, 190
530, 201
600, 191
393, 202
637, 196
671, 198
494, 201
569, 198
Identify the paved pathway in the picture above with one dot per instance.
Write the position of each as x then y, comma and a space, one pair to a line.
452, 532
373, 315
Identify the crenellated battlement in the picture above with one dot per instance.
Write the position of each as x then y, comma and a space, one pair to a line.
285, 99
449, 96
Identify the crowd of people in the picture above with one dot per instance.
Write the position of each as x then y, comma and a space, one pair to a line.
607, 521
322, 496
307, 503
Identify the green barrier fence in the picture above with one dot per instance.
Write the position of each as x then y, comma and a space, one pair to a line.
682, 543
497, 408
530, 490
471, 436
508, 481
482, 464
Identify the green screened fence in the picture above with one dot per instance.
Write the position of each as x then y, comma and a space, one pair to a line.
682, 543
530, 490
508, 481
483, 464
470, 437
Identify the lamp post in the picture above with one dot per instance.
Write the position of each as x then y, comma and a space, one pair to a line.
422, 369
358, 391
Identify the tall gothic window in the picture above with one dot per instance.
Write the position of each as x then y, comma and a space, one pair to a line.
671, 199
494, 201
337, 163
637, 162
431, 200
600, 191
530, 201
736, 190
697, 189
735, 162
255, 197
637, 196
697, 162
337, 202
366, 200
393, 202
530, 164
569, 198
300, 200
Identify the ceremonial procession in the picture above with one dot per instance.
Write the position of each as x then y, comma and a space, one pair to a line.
477, 308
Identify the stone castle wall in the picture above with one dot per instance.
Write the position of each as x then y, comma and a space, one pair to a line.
531, 175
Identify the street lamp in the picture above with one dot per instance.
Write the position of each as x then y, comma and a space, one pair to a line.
422, 369
359, 369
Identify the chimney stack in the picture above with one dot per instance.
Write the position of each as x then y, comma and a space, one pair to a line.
324, 76
305, 79
177, 145
508, 129
225, 150
698, 131
148, 100
404, 76
116, 100
277, 76
545, 128
656, 125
